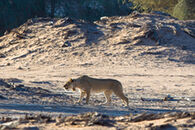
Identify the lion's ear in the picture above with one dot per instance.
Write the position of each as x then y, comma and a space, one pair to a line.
71, 80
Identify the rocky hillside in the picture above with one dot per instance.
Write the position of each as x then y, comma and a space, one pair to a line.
50, 41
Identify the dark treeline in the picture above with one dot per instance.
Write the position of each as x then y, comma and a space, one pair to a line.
15, 12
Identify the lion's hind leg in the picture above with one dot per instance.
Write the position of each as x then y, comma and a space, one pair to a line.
88, 96
121, 95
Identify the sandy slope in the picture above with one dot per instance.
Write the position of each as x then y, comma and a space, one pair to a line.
151, 54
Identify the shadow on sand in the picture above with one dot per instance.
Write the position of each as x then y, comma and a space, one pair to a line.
75, 109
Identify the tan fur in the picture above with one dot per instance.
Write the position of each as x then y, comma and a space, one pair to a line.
88, 85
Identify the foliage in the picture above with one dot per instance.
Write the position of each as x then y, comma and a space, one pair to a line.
182, 9
90, 9
185, 9
166, 6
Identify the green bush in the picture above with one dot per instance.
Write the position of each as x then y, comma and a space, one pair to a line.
181, 9
166, 6
185, 9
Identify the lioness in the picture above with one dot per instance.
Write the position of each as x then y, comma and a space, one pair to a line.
88, 85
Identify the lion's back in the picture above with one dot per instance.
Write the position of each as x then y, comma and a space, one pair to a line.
99, 85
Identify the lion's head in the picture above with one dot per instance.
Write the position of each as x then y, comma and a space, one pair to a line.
69, 85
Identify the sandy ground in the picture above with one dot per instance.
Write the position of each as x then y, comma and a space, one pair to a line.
152, 55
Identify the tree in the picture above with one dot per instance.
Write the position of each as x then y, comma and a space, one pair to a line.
53, 3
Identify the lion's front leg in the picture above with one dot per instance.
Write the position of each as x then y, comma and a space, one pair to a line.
81, 97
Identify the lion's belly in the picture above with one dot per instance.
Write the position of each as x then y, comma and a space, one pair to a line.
98, 89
